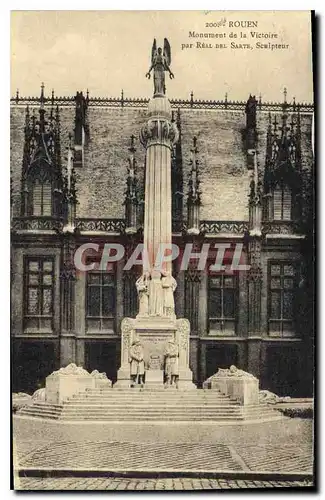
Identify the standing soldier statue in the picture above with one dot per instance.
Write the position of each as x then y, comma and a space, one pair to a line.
136, 359
171, 364
160, 62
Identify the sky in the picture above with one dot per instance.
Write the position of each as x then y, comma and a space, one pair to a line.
106, 51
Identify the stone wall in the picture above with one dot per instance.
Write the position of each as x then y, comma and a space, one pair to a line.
222, 171
101, 181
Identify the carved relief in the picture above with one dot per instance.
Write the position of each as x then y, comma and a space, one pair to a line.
183, 333
159, 130
255, 273
127, 328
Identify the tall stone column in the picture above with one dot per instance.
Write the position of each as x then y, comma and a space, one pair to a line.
158, 136
156, 325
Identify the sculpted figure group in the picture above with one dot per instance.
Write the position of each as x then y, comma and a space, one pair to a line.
137, 364
156, 294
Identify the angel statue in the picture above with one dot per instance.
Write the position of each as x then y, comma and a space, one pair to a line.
160, 63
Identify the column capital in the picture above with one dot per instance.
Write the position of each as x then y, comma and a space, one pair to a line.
159, 131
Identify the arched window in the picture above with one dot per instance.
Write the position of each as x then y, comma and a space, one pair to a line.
281, 203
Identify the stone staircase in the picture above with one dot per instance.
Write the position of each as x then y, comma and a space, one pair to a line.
135, 406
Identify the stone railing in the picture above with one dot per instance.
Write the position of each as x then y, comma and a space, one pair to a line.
105, 225
280, 227
36, 224
115, 102
216, 227
119, 225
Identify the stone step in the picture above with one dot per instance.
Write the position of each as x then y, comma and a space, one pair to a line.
144, 418
145, 395
158, 417
161, 415
146, 390
136, 413
165, 410
157, 408
34, 412
107, 418
142, 403
80, 414
44, 404
169, 418
82, 406
147, 400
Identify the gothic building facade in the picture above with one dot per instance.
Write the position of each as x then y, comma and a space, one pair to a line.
242, 173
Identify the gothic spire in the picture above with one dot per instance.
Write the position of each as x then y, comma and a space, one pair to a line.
177, 173
42, 137
81, 129
178, 119
285, 127
42, 122
42, 99
131, 193
69, 188
194, 193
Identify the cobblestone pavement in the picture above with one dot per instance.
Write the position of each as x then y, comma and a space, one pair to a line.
176, 484
278, 447
168, 456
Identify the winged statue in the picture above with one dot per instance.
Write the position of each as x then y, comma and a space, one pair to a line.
160, 62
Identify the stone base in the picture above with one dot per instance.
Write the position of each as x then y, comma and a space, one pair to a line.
123, 378
154, 379
154, 334
61, 387
71, 380
185, 380
244, 389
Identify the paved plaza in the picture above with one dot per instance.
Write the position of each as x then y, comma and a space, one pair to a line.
283, 447
102, 455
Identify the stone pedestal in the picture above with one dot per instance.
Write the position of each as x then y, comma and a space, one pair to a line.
244, 390
71, 380
154, 334
67, 382
241, 386
154, 379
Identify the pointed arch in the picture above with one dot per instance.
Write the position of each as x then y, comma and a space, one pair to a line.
42, 182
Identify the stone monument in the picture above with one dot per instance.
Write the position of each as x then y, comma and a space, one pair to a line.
156, 324
238, 384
